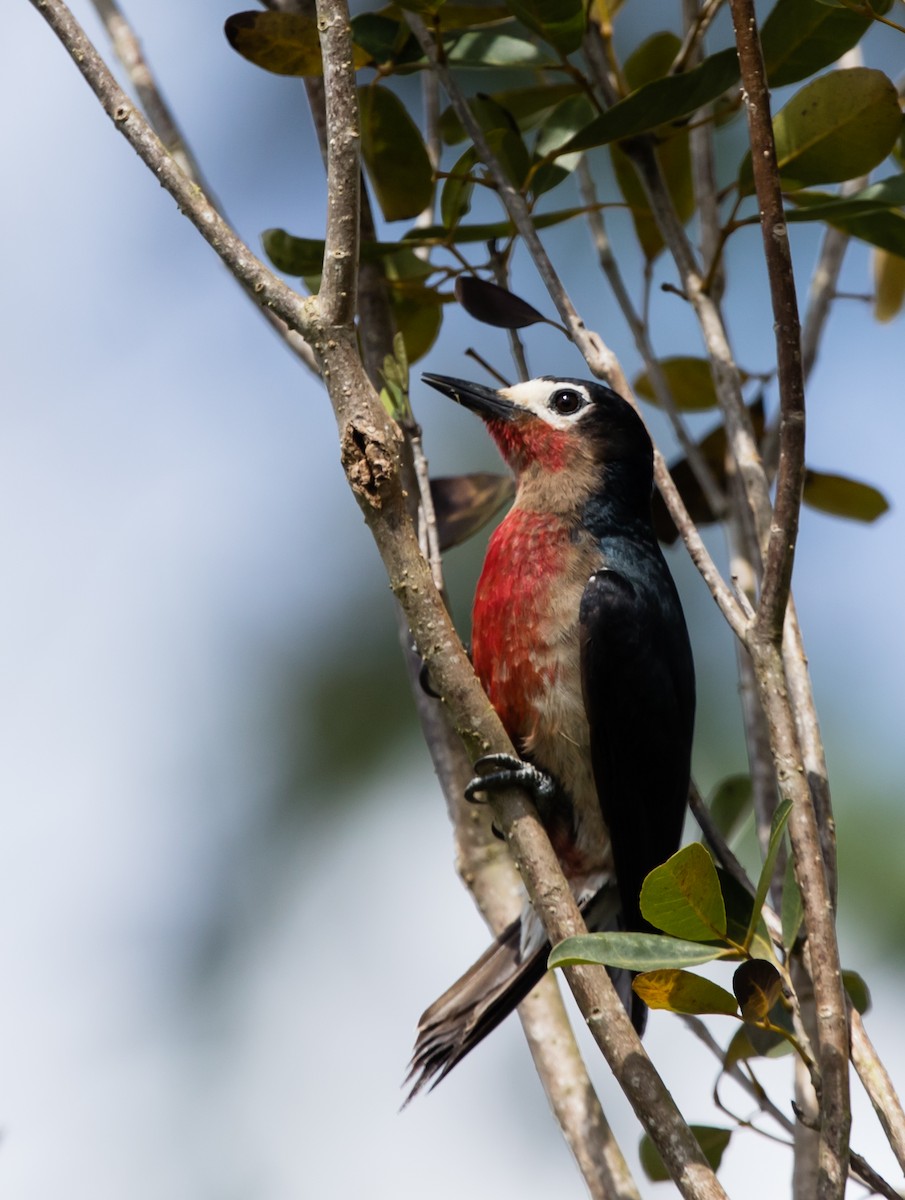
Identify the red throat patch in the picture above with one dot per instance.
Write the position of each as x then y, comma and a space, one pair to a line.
527, 440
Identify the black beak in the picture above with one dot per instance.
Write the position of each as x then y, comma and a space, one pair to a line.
483, 400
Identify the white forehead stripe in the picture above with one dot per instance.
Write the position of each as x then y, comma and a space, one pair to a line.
535, 397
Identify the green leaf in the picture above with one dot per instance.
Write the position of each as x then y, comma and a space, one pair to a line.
467, 16
873, 214
801, 37
464, 504
792, 911
561, 124
757, 985
484, 50
889, 285
397, 162
659, 103
689, 380
527, 106
281, 42
455, 195
730, 801
437, 235
682, 992
683, 898
858, 991
843, 497
428, 7
777, 829
305, 256
652, 59
739, 914
559, 22
632, 951
839, 126
712, 1140
754, 1042
418, 319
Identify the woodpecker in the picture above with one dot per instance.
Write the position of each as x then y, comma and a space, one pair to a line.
579, 640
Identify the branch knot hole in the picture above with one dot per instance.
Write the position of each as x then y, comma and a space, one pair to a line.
368, 463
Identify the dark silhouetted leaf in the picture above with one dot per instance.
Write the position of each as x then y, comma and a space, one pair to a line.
843, 497
385, 39
281, 42
858, 991
839, 126
690, 383
713, 448
889, 284
559, 22
397, 162
757, 985
494, 305
683, 898
660, 102
633, 951
682, 992
801, 37
712, 1140
464, 504
730, 801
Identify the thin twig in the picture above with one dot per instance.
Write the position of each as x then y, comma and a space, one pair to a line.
832, 1025
879, 1087
780, 552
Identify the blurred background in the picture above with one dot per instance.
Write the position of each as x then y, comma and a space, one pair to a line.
226, 882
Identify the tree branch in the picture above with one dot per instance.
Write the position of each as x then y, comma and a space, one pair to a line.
780, 552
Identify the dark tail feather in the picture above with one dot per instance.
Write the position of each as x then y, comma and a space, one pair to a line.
475, 1004
493, 988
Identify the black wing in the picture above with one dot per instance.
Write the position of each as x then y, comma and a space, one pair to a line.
638, 683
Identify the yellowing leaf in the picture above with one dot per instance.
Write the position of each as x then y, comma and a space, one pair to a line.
843, 497
689, 380
889, 284
683, 992
282, 42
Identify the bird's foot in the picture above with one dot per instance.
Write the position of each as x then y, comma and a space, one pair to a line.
496, 772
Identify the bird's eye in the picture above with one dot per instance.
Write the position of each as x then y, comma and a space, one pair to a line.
566, 401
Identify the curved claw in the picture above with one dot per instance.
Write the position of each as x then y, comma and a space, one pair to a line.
506, 771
